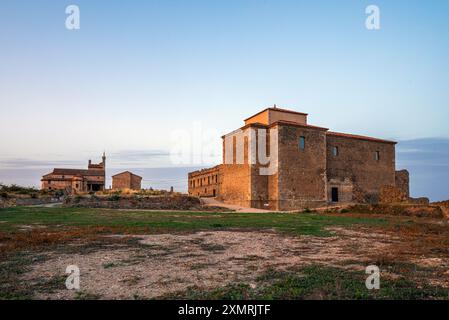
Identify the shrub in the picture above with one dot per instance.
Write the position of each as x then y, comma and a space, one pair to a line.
13, 188
114, 197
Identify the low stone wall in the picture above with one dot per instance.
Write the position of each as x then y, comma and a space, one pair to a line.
399, 210
14, 202
422, 201
169, 202
444, 205
390, 194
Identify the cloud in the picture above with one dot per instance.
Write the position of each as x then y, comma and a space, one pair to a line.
428, 163
23, 163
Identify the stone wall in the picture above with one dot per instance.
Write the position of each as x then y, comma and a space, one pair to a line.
402, 181
390, 194
22, 201
356, 161
346, 191
205, 183
176, 202
302, 173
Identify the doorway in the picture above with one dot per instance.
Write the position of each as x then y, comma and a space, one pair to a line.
334, 194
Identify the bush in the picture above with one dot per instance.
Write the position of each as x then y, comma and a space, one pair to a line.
59, 193
17, 189
114, 197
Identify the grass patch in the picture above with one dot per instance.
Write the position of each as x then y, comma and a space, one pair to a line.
316, 282
109, 265
11, 270
83, 295
293, 223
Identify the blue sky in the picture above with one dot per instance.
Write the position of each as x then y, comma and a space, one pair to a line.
138, 70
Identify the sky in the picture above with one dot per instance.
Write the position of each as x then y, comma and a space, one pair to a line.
138, 77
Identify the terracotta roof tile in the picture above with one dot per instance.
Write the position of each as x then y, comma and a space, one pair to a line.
276, 109
355, 136
82, 172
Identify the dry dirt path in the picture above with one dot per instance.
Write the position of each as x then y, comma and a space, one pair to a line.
212, 202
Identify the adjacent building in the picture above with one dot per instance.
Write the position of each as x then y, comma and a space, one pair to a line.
278, 161
126, 180
77, 180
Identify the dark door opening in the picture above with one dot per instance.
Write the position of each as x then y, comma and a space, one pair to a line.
214, 192
334, 194
95, 187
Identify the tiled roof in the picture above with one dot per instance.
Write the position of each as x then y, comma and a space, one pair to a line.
82, 172
276, 109
296, 124
129, 172
355, 136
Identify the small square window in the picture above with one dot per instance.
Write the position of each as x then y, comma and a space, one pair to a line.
335, 151
302, 143
377, 155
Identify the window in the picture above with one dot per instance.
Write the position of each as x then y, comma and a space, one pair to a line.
377, 155
302, 143
335, 151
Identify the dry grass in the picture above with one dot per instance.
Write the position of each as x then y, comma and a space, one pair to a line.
39, 238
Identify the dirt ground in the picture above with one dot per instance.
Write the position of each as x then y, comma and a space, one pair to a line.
161, 264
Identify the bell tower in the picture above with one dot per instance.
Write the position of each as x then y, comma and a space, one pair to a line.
104, 160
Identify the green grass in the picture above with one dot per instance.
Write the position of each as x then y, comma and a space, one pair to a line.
316, 282
294, 223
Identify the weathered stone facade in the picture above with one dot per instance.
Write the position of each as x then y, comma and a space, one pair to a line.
204, 183
77, 180
402, 181
308, 166
126, 180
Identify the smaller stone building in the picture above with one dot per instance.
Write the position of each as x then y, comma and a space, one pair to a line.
77, 180
204, 183
126, 180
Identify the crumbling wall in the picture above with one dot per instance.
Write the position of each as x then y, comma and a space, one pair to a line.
402, 181
390, 194
175, 202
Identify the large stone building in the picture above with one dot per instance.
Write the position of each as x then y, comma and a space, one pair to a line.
280, 162
126, 180
77, 180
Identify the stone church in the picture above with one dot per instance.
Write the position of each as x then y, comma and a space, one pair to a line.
311, 166
77, 180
